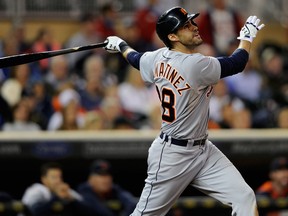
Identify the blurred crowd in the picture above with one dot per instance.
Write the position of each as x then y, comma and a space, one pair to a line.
94, 90
100, 195
51, 195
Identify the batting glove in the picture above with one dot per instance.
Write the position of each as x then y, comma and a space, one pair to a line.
250, 29
113, 44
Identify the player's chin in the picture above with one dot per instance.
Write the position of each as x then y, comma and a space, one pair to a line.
198, 41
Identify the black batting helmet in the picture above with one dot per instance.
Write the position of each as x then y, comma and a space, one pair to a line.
170, 21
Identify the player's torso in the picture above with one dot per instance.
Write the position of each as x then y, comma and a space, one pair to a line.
185, 104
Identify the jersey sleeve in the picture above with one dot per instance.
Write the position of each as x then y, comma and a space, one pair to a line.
146, 67
206, 70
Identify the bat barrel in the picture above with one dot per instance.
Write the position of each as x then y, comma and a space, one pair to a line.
14, 60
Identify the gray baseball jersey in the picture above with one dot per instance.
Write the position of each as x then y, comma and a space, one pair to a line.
184, 83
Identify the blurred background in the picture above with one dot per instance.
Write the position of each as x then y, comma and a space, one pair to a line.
84, 106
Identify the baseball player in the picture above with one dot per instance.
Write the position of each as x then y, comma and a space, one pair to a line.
182, 155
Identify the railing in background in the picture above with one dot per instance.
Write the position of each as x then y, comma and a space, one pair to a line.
262, 143
55, 9
197, 206
71, 9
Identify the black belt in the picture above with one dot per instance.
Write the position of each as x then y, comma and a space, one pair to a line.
182, 142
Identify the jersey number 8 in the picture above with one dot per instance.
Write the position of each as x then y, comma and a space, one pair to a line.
167, 99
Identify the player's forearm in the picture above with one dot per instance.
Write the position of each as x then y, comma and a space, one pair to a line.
246, 45
131, 55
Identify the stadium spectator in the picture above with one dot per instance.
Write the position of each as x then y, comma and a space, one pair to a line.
21, 119
11, 92
223, 105
40, 104
247, 86
53, 196
124, 123
19, 32
5, 111
100, 191
273, 65
105, 22
57, 74
128, 29
206, 49
219, 25
17, 84
93, 120
146, 18
92, 88
275, 70
68, 102
111, 110
154, 118
22, 73
9, 46
241, 119
69, 115
277, 185
132, 94
45, 41
282, 118
84, 36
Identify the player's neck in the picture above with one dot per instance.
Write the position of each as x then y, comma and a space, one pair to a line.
184, 49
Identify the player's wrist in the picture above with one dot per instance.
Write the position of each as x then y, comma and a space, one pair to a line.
123, 46
246, 38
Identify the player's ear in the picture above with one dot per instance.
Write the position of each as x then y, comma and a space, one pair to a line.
173, 37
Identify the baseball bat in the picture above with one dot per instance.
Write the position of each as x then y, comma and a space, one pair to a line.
14, 60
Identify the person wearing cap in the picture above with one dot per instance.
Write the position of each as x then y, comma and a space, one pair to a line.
277, 185
53, 196
182, 154
102, 195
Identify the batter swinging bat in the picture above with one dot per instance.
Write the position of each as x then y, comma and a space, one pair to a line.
14, 60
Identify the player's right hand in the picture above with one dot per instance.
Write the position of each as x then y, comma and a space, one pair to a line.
113, 44
250, 29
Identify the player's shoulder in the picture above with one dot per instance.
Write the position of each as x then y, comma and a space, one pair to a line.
156, 52
149, 56
198, 58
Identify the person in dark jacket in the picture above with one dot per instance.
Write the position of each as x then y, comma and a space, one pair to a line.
101, 194
52, 196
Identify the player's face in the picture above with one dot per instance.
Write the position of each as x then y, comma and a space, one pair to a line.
188, 35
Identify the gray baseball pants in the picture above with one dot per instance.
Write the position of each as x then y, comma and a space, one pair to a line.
172, 168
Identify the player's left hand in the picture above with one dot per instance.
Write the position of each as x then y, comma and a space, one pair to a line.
250, 29
113, 44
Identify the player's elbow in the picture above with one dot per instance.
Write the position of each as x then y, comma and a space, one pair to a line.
233, 64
